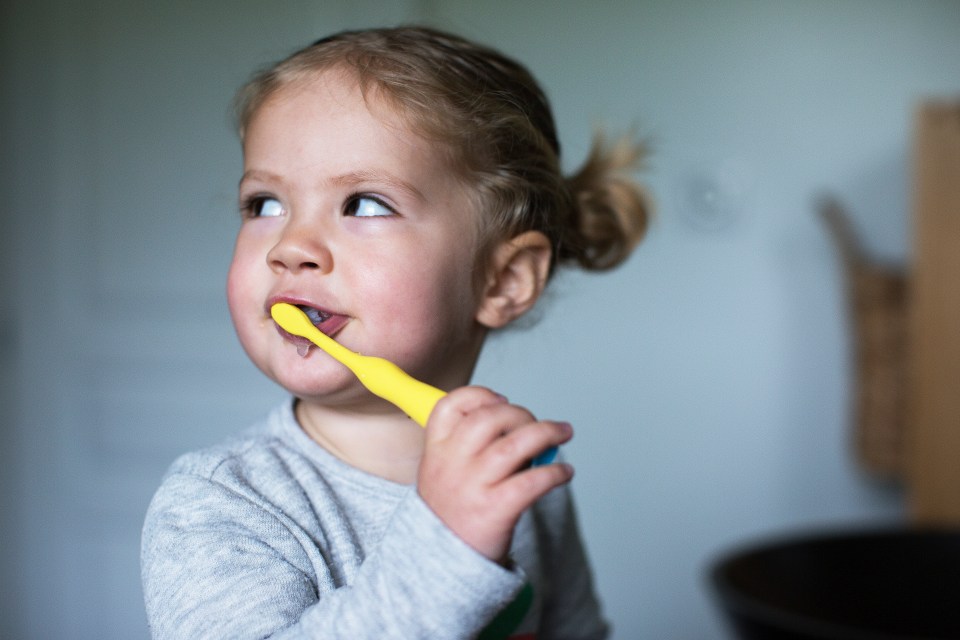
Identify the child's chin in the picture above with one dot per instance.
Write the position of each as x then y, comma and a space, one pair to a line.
310, 386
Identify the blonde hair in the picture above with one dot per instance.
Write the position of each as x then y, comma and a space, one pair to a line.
495, 123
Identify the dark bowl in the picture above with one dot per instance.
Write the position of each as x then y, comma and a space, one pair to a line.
876, 585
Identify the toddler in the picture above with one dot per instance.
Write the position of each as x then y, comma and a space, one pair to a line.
402, 187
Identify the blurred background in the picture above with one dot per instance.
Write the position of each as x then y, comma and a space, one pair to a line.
710, 378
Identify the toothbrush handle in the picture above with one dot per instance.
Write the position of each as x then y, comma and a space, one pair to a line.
385, 379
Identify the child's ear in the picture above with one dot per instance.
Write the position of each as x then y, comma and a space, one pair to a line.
516, 277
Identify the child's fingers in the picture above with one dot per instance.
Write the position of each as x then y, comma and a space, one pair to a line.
516, 448
470, 419
458, 403
519, 491
481, 445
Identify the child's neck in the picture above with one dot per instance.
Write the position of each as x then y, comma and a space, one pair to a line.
387, 445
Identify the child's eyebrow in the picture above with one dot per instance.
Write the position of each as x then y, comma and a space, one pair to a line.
262, 176
349, 179
354, 178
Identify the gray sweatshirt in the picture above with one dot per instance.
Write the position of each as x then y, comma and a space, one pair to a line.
269, 535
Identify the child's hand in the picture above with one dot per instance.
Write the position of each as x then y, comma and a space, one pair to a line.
475, 473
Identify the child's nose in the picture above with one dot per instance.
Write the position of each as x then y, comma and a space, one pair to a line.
299, 249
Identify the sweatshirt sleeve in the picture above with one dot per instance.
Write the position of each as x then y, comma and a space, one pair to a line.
571, 607
217, 565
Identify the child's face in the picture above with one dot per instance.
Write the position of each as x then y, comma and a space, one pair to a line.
350, 213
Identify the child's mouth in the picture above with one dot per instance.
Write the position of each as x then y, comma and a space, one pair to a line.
326, 321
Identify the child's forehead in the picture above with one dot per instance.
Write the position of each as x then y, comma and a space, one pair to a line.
406, 118
357, 125
343, 89
326, 87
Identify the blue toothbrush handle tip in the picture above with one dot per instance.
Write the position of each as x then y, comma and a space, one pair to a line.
545, 457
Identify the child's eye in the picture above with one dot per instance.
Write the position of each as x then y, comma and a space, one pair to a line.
367, 207
263, 207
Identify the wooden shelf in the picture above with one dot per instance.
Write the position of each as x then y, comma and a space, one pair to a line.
933, 446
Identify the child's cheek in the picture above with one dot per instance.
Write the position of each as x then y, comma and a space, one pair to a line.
242, 280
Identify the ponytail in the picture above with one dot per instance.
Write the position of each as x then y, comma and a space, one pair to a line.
610, 210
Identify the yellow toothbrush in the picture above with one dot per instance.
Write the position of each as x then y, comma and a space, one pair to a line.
380, 376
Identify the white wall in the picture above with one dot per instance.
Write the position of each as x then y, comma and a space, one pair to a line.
708, 378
